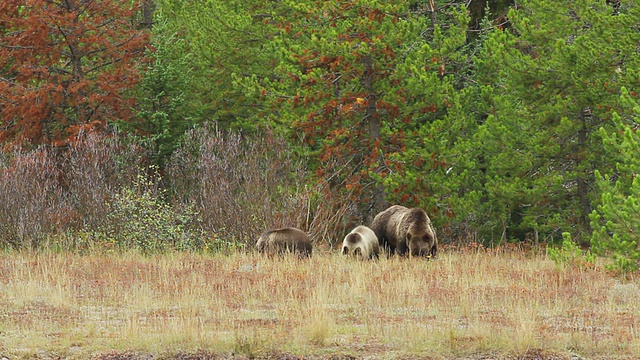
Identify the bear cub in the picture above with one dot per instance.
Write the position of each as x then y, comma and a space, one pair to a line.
285, 240
361, 242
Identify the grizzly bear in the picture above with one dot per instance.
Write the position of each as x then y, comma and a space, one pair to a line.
285, 240
401, 230
361, 242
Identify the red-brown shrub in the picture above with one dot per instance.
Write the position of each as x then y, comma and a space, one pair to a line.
32, 198
239, 186
47, 191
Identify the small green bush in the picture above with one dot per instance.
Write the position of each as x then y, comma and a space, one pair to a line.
570, 254
140, 219
615, 224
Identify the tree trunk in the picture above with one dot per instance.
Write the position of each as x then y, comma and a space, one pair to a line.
477, 11
372, 116
432, 13
148, 8
581, 171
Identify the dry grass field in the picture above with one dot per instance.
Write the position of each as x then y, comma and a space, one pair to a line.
475, 304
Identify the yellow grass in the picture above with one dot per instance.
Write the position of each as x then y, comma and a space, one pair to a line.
462, 305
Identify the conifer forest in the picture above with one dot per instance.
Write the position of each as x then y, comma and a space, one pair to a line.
196, 124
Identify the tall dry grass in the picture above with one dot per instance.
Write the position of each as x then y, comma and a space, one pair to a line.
464, 304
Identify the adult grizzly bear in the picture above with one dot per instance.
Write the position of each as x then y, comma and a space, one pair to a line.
403, 230
284, 240
361, 242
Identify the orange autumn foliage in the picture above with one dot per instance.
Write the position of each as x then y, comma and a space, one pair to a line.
65, 67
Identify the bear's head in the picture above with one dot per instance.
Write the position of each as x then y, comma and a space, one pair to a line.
419, 241
352, 245
261, 244
355, 252
419, 236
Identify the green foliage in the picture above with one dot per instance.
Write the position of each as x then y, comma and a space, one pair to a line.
227, 43
570, 254
140, 219
167, 106
546, 85
616, 220
495, 135
431, 119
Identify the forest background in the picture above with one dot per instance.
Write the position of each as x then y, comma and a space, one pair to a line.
195, 125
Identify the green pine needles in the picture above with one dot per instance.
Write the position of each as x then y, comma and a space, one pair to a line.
616, 220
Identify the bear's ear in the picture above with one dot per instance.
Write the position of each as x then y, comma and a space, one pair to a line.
358, 251
345, 250
408, 236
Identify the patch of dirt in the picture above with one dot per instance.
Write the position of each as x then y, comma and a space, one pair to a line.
534, 354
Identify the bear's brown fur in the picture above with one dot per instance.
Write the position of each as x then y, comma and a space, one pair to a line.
361, 242
285, 240
402, 230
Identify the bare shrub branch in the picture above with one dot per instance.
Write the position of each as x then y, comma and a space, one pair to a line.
240, 186
32, 199
98, 167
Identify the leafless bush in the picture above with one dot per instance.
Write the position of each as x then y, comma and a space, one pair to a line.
48, 191
240, 186
345, 198
33, 202
335, 213
233, 186
98, 167
333, 218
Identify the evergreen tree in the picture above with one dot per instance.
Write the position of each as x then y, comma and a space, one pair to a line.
363, 83
226, 40
550, 82
616, 219
166, 107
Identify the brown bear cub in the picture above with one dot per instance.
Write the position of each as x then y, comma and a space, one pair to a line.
285, 240
402, 230
361, 242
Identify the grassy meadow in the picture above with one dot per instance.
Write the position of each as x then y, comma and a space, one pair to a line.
473, 304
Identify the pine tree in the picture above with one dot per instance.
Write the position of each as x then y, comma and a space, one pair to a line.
616, 219
363, 83
228, 45
551, 81
65, 67
166, 105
